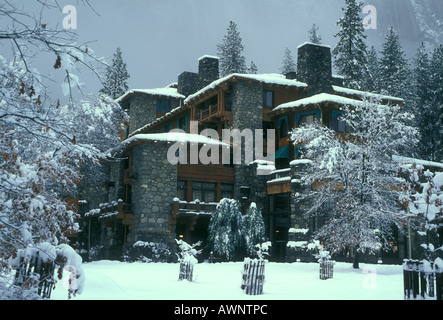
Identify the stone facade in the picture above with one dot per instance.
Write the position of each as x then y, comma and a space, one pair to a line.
188, 83
143, 109
247, 106
315, 68
153, 191
208, 70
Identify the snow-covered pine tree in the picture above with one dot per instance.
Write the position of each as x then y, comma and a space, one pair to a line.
394, 68
231, 52
288, 64
226, 230
350, 52
351, 175
314, 37
423, 108
436, 93
116, 82
253, 68
372, 71
254, 229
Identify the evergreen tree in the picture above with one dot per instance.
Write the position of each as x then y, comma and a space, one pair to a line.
394, 67
288, 64
226, 229
231, 52
254, 229
350, 52
115, 84
314, 37
436, 93
372, 71
423, 109
253, 68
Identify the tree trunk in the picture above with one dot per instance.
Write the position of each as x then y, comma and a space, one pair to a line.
356, 260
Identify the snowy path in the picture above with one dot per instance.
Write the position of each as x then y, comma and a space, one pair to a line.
110, 280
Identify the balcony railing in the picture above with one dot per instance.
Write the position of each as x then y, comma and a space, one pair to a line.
194, 207
204, 113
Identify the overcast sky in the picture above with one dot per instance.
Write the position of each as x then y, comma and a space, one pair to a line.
162, 38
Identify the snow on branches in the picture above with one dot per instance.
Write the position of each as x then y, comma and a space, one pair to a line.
424, 199
44, 142
355, 172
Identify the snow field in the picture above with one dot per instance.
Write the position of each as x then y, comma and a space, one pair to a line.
113, 280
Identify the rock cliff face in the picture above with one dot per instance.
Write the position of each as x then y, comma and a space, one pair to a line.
415, 20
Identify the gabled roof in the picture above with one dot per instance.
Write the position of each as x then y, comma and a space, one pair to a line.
268, 78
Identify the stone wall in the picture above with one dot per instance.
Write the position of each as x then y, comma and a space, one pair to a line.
143, 109
188, 83
153, 191
247, 106
315, 68
208, 70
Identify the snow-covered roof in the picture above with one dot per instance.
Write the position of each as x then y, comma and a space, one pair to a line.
173, 137
319, 98
168, 92
314, 44
268, 78
411, 161
365, 94
208, 56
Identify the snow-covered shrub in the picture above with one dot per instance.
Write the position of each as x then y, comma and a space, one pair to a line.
35, 272
187, 259
262, 249
149, 251
253, 229
226, 237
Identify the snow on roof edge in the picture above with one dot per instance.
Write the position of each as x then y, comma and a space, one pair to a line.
173, 137
167, 91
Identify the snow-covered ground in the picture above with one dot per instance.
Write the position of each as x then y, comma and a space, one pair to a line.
111, 280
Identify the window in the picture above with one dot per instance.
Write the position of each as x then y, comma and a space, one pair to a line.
268, 98
227, 191
181, 189
339, 125
204, 191
280, 202
182, 123
306, 120
163, 106
283, 127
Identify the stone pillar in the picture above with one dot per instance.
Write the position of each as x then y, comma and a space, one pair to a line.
153, 191
315, 68
247, 106
208, 70
188, 83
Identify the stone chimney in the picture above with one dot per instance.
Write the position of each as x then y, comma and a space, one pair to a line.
315, 68
188, 83
208, 70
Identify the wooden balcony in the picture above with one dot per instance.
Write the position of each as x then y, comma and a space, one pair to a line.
116, 210
194, 207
